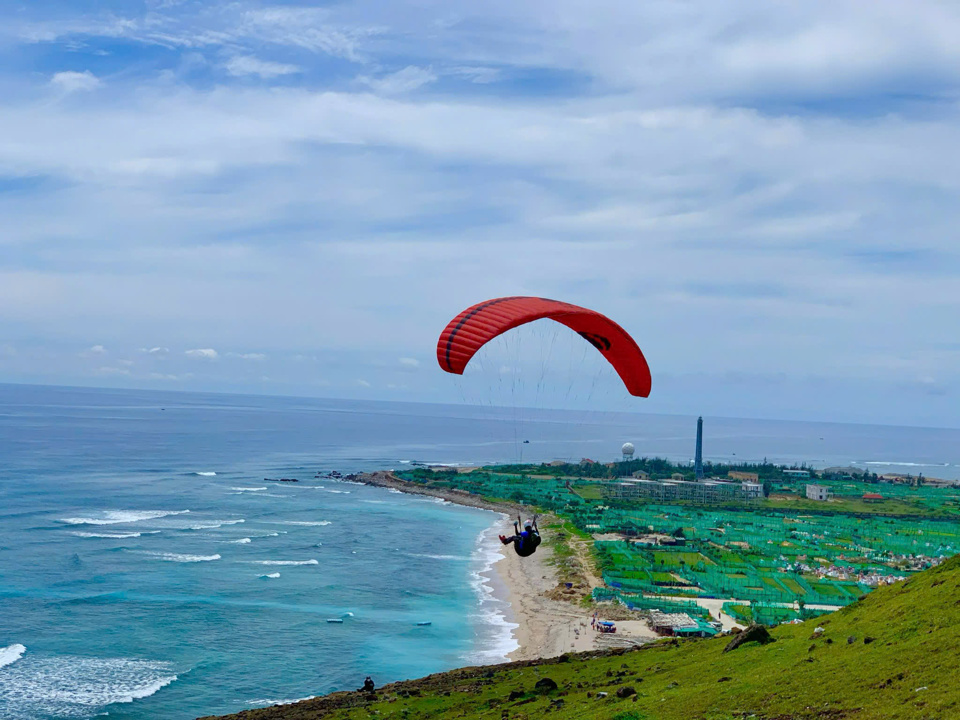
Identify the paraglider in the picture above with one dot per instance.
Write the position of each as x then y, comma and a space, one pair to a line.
477, 325
526, 542
468, 332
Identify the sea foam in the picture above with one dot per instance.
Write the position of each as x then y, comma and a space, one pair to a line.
77, 687
181, 557
304, 522
119, 517
495, 639
269, 703
272, 576
113, 536
216, 524
284, 562
10, 654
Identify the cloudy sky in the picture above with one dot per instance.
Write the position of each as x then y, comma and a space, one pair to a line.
295, 198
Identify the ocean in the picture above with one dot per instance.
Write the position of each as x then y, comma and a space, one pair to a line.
148, 570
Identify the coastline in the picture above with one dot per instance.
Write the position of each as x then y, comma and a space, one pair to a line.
540, 626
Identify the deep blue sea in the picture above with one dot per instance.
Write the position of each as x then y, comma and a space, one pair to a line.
147, 570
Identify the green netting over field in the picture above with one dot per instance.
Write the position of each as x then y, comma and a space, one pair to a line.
639, 602
772, 553
767, 614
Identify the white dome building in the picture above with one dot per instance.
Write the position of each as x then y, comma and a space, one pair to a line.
627, 451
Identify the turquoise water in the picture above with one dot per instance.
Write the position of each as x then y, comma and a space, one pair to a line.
174, 587
148, 571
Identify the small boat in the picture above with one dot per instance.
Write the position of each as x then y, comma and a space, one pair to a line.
526, 442
335, 620
280, 480
425, 622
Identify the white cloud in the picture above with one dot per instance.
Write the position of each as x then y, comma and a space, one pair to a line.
258, 357
113, 371
240, 65
306, 28
206, 353
97, 350
479, 75
409, 362
157, 351
406, 80
70, 81
364, 383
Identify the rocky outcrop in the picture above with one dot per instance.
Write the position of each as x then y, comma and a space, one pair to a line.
754, 633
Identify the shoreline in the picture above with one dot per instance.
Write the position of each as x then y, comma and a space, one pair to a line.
543, 627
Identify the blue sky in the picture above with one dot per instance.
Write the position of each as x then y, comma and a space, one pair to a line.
295, 198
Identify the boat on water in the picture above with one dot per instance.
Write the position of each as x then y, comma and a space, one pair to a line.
335, 620
425, 622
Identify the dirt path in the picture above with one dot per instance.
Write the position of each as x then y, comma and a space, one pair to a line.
582, 550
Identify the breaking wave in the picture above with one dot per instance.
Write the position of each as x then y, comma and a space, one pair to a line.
268, 703
119, 517
113, 536
182, 557
216, 524
10, 654
77, 687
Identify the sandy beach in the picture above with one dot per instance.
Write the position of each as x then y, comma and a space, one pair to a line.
546, 627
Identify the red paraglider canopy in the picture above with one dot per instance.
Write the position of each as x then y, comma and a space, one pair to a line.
474, 327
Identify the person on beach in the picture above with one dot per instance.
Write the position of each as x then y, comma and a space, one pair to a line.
526, 542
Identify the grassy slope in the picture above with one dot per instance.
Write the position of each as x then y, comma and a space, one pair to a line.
916, 631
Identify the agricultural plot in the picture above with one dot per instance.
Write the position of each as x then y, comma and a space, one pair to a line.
762, 555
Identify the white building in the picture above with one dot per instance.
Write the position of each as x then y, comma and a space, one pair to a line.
817, 492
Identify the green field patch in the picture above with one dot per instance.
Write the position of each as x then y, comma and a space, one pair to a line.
679, 559
792, 585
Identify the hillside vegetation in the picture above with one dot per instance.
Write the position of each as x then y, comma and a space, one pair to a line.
894, 654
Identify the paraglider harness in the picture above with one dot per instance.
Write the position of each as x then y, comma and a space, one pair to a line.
525, 543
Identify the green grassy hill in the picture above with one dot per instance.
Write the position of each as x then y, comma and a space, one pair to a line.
894, 654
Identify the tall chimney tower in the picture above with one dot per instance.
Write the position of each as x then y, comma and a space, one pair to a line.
698, 463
